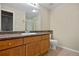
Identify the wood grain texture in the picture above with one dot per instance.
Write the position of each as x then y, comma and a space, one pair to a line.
26, 46
33, 48
17, 51
10, 43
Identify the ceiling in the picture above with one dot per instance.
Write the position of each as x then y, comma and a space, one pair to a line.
28, 8
49, 6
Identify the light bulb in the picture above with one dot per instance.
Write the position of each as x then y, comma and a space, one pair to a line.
34, 10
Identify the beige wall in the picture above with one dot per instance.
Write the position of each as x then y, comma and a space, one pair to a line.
65, 24
18, 17
43, 20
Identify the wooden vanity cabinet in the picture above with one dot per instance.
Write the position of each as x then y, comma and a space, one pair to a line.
33, 46
16, 51
25, 46
4, 44
44, 44
37, 45
37, 48
30, 49
33, 49
12, 47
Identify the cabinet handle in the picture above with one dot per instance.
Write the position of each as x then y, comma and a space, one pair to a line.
9, 43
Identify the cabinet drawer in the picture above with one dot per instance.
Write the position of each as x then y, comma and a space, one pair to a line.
31, 39
28, 40
10, 43
45, 36
37, 38
16, 51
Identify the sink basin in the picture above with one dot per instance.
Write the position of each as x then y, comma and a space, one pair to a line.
27, 33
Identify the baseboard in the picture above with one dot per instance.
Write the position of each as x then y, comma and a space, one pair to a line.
69, 49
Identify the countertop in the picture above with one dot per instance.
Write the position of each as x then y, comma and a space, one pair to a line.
19, 35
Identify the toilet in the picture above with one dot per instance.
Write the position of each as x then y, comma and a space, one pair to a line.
53, 44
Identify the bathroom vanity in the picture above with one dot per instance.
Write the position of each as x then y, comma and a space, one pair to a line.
24, 44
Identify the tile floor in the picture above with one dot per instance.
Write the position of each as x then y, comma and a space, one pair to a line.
61, 52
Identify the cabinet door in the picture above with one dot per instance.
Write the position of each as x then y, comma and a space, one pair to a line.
33, 49
44, 46
30, 49
17, 51
37, 48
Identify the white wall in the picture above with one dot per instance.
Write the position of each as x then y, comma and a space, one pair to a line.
43, 21
18, 17
65, 24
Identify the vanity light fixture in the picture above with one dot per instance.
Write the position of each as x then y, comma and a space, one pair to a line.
36, 5
34, 10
